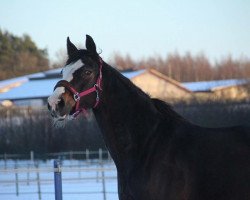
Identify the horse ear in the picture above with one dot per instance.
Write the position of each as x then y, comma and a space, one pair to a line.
71, 48
90, 44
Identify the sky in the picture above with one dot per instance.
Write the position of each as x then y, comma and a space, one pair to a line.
141, 28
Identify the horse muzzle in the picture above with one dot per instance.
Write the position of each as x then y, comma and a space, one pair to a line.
56, 107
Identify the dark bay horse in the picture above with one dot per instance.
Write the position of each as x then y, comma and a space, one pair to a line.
158, 154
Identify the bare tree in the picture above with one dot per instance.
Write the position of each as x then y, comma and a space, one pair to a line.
187, 67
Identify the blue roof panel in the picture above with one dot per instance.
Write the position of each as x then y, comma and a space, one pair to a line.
203, 86
133, 74
42, 88
7, 82
31, 89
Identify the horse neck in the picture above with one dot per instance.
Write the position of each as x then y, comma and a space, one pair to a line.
125, 116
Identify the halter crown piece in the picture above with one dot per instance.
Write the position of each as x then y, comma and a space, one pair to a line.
78, 95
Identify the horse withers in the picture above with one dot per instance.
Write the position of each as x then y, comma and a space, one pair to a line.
159, 155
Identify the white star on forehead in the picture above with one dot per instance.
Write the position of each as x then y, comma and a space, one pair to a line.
69, 70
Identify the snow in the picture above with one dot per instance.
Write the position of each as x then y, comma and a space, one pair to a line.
31, 89
53, 71
36, 75
203, 86
133, 74
8, 82
79, 181
21, 79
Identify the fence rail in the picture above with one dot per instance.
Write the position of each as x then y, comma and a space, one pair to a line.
86, 154
79, 177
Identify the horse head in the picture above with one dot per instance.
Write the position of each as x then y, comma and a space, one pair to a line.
81, 83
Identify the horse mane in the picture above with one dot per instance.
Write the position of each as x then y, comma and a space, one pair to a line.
167, 110
117, 76
164, 109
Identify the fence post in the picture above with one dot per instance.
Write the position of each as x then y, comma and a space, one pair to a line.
71, 155
87, 156
38, 182
32, 156
100, 156
16, 175
31, 163
79, 168
28, 174
109, 157
100, 163
5, 160
58, 180
103, 185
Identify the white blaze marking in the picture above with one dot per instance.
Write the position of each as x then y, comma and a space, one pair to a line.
54, 99
68, 76
70, 69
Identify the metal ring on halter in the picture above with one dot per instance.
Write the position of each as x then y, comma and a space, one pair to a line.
76, 97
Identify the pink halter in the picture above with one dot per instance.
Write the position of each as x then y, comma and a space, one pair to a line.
78, 95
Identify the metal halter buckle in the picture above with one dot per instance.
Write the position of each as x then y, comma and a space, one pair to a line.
76, 97
97, 93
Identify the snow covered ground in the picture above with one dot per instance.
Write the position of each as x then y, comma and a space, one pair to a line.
22, 180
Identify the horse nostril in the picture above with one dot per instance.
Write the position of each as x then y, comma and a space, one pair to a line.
53, 114
49, 107
61, 104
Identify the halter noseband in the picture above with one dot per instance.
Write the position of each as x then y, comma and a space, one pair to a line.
78, 95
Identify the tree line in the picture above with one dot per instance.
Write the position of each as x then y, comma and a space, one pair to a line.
25, 130
20, 56
188, 67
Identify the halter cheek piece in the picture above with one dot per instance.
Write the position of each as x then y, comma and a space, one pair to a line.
78, 95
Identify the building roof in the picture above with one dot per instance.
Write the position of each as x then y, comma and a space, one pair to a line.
168, 79
208, 86
41, 85
31, 90
38, 85
132, 74
6, 85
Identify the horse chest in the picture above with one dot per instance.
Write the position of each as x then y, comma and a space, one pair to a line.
157, 184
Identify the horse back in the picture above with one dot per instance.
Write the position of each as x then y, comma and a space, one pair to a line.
201, 163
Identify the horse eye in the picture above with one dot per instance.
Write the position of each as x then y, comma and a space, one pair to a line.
87, 72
